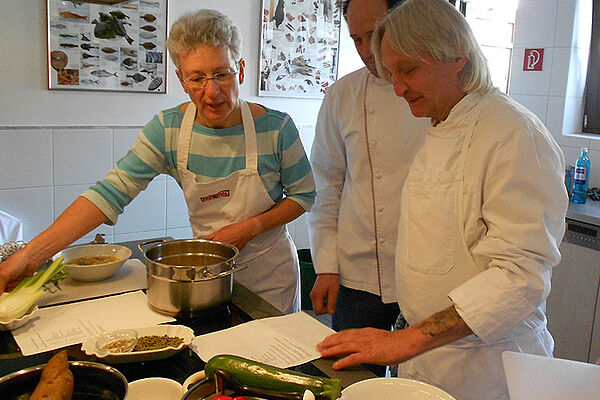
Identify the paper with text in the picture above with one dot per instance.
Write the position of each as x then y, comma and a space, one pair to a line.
68, 324
280, 341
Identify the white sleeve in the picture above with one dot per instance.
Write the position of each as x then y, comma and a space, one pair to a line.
328, 160
524, 203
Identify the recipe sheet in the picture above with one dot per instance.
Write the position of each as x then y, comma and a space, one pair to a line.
131, 276
64, 325
284, 341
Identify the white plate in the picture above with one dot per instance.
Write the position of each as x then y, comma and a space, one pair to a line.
17, 323
393, 389
187, 334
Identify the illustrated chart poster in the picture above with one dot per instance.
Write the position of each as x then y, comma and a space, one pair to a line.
107, 45
299, 47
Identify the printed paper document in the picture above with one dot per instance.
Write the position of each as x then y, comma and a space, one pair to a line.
280, 341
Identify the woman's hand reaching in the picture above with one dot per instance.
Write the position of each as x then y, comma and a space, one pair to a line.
237, 234
18, 266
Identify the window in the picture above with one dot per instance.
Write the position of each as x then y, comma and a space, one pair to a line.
591, 110
493, 24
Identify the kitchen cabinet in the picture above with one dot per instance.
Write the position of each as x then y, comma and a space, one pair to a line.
573, 306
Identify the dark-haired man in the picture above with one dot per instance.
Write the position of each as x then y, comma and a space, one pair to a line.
365, 140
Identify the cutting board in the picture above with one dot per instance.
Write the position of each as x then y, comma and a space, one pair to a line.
533, 377
131, 276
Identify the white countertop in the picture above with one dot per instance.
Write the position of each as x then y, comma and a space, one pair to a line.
588, 212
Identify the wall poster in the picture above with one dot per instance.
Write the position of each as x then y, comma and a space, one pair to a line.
107, 45
299, 47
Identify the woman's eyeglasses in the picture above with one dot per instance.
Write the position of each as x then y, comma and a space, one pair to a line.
200, 81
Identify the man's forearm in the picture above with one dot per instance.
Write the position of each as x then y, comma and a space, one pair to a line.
441, 328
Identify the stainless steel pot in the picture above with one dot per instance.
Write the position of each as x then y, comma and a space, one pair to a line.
187, 276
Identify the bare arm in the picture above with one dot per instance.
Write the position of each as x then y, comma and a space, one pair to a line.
242, 232
441, 328
376, 346
79, 218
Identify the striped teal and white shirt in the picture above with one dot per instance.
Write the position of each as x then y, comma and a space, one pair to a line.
214, 153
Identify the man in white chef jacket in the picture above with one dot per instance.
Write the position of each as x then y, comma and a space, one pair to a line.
482, 215
365, 140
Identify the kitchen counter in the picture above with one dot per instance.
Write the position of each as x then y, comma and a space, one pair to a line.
588, 212
244, 306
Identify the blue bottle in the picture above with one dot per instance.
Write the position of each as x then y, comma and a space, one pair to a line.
581, 177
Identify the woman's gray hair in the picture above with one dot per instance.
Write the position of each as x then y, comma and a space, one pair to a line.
203, 27
436, 28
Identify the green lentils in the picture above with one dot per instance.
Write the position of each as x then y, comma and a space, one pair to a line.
155, 342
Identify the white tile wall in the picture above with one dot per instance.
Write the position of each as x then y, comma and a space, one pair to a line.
564, 29
594, 177
307, 133
177, 212
594, 145
147, 212
180, 233
559, 66
123, 140
571, 154
565, 65
31, 165
536, 22
141, 235
81, 155
554, 118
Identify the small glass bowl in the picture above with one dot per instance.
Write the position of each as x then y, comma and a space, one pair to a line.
115, 342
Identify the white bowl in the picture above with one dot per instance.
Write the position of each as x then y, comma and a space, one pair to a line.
154, 388
393, 389
96, 272
17, 323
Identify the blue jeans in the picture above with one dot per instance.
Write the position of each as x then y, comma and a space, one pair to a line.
360, 309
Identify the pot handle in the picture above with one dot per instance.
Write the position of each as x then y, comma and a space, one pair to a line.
235, 268
145, 242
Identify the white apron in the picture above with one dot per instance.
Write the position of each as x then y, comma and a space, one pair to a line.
271, 258
468, 369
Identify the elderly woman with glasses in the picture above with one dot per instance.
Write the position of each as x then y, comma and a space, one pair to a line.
241, 166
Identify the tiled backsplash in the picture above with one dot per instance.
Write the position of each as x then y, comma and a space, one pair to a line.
45, 169
556, 93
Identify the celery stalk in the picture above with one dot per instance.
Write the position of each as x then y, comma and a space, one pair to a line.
20, 300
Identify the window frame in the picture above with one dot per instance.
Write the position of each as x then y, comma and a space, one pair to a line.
591, 101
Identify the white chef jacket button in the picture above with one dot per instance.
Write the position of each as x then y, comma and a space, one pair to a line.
381, 240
